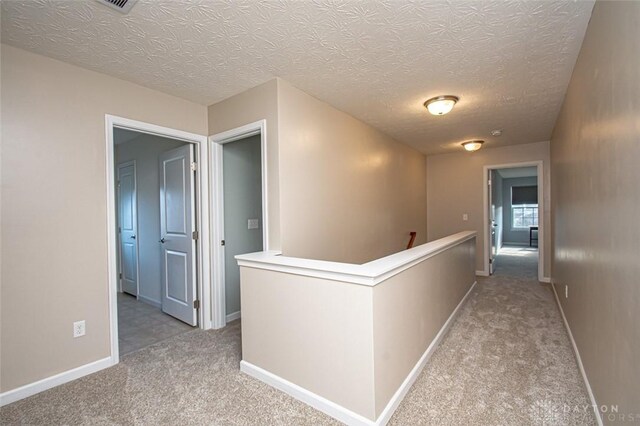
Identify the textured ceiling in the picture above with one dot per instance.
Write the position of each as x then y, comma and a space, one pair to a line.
509, 62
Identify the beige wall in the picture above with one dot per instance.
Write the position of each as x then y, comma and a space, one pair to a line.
295, 327
258, 103
348, 192
595, 156
54, 217
454, 187
349, 343
426, 294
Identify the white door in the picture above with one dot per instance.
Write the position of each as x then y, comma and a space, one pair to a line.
177, 227
128, 227
492, 222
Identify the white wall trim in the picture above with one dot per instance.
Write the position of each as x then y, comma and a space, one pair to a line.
592, 397
485, 211
217, 207
53, 381
482, 273
301, 394
202, 223
233, 316
369, 274
545, 280
341, 413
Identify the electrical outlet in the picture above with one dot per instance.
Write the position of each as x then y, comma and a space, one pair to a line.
566, 291
78, 328
252, 224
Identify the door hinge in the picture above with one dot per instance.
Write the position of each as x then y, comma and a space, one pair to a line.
194, 235
119, 230
222, 242
194, 166
489, 182
196, 304
120, 275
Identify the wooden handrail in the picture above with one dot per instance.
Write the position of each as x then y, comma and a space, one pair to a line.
412, 240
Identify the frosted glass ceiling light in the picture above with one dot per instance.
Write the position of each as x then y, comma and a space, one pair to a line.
440, 105
472, 145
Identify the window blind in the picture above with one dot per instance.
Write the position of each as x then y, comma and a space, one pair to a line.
524, 195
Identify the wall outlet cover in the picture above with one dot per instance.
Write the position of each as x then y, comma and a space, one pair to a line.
79, 328
252, 224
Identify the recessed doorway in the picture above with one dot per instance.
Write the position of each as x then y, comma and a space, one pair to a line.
158, 213
514, 220
240, 209
156, 250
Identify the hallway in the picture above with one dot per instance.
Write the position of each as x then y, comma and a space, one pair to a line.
506, 360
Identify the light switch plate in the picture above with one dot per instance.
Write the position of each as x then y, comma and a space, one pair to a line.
252, 224
465, 217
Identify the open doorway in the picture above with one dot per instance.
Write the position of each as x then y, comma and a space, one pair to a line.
158, 208
514, 220
156, 251
239, 185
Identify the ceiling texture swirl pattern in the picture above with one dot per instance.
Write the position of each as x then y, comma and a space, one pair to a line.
509, 62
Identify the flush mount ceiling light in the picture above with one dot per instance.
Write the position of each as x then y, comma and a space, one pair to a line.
472, 145
440, 105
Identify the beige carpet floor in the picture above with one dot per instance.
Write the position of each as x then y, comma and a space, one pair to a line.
517, 261
506, 361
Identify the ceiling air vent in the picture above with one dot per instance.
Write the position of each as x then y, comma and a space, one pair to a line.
123, 6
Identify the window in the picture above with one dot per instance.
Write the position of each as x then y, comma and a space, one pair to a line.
524, 207
524, 216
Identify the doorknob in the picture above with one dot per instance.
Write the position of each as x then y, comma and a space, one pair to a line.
133, 237
162, 240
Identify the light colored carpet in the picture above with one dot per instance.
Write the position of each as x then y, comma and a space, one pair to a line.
189, 379
506, 360
517, 261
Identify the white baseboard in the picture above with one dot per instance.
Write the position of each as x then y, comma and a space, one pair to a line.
545, 280
482, 273
341, 413
402, 391
316, 401
53, 381
592, 397
150, 301
234, 316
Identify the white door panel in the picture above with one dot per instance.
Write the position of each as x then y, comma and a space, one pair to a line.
127, 222
492, 221
177, 223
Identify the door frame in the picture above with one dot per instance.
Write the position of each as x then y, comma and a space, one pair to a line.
119, 234
203, 243
217, 207
485, 202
